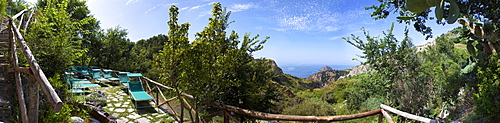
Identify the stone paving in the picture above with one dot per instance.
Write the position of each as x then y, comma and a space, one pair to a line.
121, 105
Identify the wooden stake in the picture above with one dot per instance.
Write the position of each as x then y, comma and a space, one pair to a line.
33, 96
387, 116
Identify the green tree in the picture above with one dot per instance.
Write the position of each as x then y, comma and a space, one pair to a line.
397, 69
113, 49
216, 66
228, 71
51, 38
14, 7
87, 31
143, 51
174, 60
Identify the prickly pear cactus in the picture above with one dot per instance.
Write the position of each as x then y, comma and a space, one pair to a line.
453, 12
439, 11
421, 5
469, 68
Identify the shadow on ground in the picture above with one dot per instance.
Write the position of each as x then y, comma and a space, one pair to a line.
144, 107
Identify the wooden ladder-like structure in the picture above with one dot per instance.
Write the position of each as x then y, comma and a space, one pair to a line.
12, 41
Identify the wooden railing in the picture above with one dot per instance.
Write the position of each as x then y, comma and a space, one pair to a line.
34, 70
268, 116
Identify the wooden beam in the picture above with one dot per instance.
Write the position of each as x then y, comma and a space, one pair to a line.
166, 101
221, 112
226, 114
29, 19
20, 13
173, 111
189, 107
161, 85
162, 95
21, 20
226, 118
151, 90
407, 115
23, 69
49, 92
387, 116
19, 69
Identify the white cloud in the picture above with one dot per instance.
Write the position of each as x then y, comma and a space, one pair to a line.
331, 28
183, 8
199, 6
308, 16
195, 7
241, 7
259, 27
131, 2
295, 23
335, 37
204, 13
345, 35
151, 9
160, 5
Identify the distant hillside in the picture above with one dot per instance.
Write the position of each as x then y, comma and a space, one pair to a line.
285, 79
321, 79
323, 76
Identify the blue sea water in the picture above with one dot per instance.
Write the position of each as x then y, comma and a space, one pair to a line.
305, 70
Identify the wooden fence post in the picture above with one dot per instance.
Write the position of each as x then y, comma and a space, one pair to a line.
33, 97
380, 118
157, 99
226, 118
387, 116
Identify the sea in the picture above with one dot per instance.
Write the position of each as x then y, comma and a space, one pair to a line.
304, 71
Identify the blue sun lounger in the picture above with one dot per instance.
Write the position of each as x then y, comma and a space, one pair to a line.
78, 84
136, 90
107, 75
96, 74
124, 78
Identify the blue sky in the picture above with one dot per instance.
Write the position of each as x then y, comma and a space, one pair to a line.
301, 31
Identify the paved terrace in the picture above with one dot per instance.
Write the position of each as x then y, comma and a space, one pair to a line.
121, 106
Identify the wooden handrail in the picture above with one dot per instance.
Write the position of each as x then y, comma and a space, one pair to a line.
269, 116
407, 115
52, 97
20, 13
158, 84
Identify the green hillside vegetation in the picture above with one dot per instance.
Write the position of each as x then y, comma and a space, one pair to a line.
435, 80
455, 74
